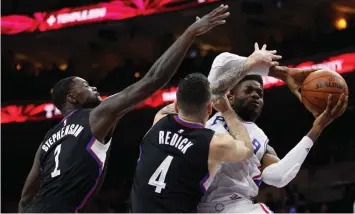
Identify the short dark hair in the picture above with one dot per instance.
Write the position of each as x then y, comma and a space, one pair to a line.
257, 78
61, 90
193, 93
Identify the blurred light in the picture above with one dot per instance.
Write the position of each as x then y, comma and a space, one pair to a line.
137, 74
18, 67
51, 90
63, 67
193, 53
201, 1
341, 23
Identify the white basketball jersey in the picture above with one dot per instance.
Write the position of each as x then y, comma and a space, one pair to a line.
240, 179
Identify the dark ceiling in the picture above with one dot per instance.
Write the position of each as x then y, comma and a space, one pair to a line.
275, 22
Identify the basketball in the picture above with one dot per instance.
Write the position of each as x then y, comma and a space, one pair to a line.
317, 87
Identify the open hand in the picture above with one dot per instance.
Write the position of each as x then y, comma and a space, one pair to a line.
209, 21
263, 57
330, 114
293, 77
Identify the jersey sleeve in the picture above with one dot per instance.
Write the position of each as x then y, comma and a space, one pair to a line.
225, 58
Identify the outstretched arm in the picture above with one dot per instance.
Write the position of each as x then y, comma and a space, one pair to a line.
169, 109
280, 173
228, 69
103, 117
32, 183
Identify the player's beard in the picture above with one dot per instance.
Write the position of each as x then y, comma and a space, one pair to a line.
245, 111
91, 103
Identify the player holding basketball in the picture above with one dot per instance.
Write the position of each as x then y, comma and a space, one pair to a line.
235, 184
69, 163
178, 155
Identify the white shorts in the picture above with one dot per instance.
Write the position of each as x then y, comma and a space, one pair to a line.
237, 206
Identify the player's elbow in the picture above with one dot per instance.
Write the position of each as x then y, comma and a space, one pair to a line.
272, 175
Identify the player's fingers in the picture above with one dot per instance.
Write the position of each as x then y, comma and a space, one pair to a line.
274, 63
272, 51
338, 106
219, 10
345, 105
264, 47
220, 17
221, 22
256, 46
297, 94
276, 57
197, 18
329, 102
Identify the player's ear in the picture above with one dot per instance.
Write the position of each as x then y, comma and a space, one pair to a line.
209, 108
176, 107
72, 99
231, 99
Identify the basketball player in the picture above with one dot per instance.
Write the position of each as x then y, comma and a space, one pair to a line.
235, 184
70, 160
178, 154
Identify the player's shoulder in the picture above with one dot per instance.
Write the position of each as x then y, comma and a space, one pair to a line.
215, 119
254, 128
224, 58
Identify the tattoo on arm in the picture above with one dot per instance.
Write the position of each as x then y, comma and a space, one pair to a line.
235, 70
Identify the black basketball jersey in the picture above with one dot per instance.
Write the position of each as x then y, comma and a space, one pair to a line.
72, 162
172, 167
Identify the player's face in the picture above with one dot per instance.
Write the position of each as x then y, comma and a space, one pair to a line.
85, 95
247, 100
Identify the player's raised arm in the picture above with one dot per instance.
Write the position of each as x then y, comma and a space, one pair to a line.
32, 183
280, 173
236, 147
227, 69
103, 117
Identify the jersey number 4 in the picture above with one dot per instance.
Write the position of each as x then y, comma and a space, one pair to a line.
56, 171
160, 172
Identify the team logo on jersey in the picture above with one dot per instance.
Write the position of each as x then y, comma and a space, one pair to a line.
235, 197
65, 122
219, 207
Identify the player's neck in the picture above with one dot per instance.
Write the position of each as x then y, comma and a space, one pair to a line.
67, 111
192, 120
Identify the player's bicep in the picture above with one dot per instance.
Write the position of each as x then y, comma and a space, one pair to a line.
269, 158
32, 182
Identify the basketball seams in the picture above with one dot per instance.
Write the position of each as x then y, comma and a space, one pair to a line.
318, 107
324, 92
321, 77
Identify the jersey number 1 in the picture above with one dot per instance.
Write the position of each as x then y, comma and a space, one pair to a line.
161, 173
56, 171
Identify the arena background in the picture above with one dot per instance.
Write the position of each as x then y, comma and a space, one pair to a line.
113, 44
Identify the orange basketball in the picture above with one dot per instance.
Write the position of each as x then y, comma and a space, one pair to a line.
317, 87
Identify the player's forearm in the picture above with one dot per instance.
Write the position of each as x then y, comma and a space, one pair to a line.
279, 72
281, 173
231, 73
236, 128
166, 66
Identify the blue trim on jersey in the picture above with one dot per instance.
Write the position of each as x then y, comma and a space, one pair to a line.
140, 152
87, 196
68, 115
258, 181
203, 181
187, 124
